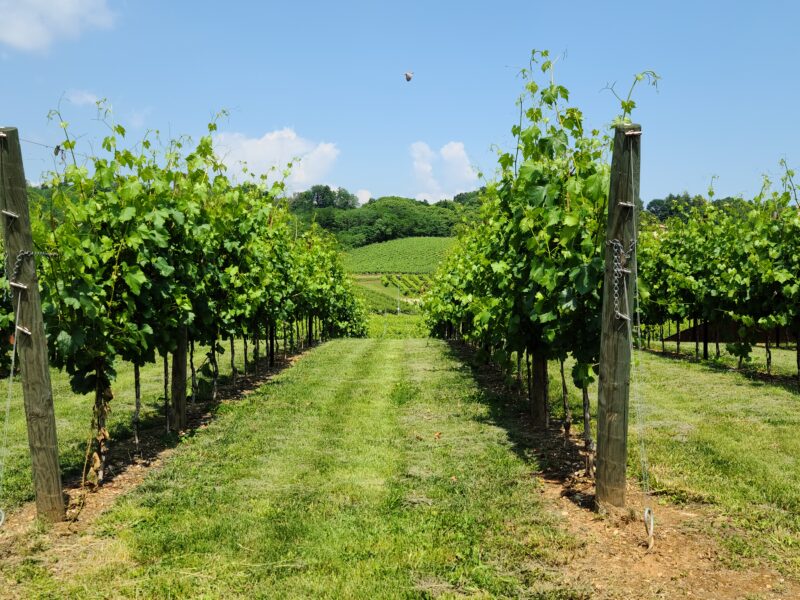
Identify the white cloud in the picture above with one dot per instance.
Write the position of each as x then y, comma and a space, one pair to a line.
137, 118
363, 196
457, 168
422, 157
33, 25
82, 97
276, 149
442, 174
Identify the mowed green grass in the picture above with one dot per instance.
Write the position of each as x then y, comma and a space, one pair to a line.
784, 360
370, 469
74, 418
406, 255
394, 326
331, 482
722, 438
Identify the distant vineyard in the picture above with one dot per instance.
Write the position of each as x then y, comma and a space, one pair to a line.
380, 299
411, 285
407, 255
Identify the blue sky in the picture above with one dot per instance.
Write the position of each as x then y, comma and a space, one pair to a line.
325, 80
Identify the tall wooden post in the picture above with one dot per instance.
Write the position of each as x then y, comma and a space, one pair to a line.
272, 334
615, 342
178, 412
31, 341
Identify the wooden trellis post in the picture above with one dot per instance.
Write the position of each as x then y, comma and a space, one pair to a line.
617, 316
20, 268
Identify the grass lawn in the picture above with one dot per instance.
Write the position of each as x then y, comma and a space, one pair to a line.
396, 326
378, 468
723, 438
370, 469
74, 417
784, 360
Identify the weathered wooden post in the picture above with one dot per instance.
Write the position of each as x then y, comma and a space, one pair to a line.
617, 325
178, 412
31, 344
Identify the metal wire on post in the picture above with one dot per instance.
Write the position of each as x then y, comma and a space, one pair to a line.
35, 384
12, 285
4, 447
648, 515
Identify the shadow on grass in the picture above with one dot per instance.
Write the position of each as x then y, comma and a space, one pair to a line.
789, 383
554, 457
154, 435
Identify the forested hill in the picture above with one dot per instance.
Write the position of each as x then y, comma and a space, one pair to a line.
378, 220
381, 219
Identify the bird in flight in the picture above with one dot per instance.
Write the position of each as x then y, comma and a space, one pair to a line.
408, 75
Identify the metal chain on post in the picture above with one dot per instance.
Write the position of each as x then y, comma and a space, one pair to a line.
22, 254
620, 258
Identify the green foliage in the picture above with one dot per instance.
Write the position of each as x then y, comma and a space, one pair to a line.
627, 104
322, 196
145, 241
393, 326
724, 260
383, 219
526, 275
408, 255
681, 205
674, 205
390, 292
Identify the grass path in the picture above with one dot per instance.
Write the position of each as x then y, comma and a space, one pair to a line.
74, 417
370, 469
381, 468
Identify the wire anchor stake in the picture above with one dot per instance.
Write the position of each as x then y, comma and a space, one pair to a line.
650, 525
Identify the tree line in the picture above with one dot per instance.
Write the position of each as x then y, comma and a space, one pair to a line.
679, 205
381, 219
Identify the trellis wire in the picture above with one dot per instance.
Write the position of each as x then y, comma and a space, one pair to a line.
4, 447
648, 516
